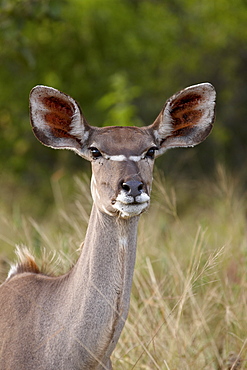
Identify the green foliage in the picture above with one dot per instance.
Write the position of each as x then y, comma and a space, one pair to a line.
118, 102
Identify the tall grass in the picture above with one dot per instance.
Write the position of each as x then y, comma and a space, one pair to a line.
189, 298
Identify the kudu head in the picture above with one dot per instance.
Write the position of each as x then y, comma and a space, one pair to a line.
122, 157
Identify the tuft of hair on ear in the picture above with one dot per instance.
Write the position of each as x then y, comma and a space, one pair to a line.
26, 263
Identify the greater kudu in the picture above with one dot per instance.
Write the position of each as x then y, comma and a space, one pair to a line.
74, 321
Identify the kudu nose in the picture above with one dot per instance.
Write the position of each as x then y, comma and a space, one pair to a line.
133, 187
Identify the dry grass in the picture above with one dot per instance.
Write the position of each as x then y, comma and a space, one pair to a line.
189, 299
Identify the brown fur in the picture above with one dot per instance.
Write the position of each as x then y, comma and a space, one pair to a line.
26, 263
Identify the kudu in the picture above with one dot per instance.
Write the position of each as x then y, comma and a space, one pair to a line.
74, 321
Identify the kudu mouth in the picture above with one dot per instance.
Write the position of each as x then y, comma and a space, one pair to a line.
131, 205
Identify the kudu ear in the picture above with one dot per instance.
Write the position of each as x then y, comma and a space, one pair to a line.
186, 119
57, 120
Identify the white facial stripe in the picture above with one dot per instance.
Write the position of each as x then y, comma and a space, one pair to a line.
94, 190
93, 180
107, 212
94, 195
93, 183
135, 158
117, 158
122, 157
97, 193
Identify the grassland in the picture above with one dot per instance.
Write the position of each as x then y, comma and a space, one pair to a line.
189, 299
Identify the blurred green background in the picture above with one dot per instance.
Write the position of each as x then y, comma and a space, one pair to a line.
121, 60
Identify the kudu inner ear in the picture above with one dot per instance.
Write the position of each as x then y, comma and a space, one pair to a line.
57, 120
187, 118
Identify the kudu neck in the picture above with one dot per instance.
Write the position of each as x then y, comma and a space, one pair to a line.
107, 236
102, 279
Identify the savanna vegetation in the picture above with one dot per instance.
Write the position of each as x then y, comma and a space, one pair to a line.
121, 59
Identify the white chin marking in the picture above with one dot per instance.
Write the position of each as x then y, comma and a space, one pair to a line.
142, 198
130, 210
126, 206
127, 199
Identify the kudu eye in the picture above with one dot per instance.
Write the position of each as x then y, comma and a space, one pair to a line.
151, 152
95, 153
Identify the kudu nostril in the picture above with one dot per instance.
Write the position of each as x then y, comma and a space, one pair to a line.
125, 187
132, 187
140, 187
